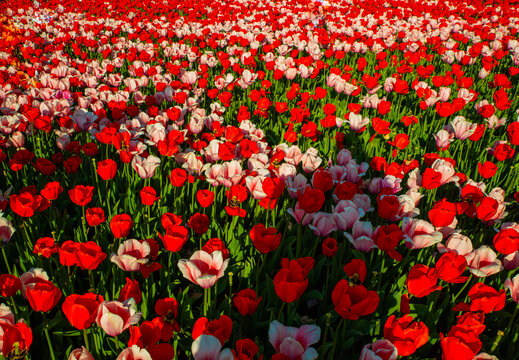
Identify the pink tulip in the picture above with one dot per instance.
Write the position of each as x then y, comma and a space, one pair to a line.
511, 261
483, 262
293, 342
443, 139
207, 347
457, 243
114, 317
357, 122
6, 315
6, 229
203, 268
361, 236
444, 93
145, 167
322, 224
420, 233
80, 354
311, 160
300, 216
134, 353
446, 169
513, 286
345, 214
461, 128
131, 255
379, 350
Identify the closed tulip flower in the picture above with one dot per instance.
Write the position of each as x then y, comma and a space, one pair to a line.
43, 295
81, 310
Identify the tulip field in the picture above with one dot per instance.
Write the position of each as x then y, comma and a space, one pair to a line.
259, 179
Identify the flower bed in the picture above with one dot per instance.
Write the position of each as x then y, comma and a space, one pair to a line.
245, 180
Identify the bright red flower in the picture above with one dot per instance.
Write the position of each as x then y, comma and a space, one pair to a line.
406, 335
81, 310
95, 216
506, 241
174, 238
121, 225
483, 298
290, 282
235, 196
17, 339
81, 195
352, 302
421, 280
45, 247
442, 213
43, 295
130, 290
67, 253
24, 204
205, 198
89, 255
387, 238
265, 239
167, 309
450, 266
215, 244
168, 219
512, 133
487, 170
107, 169
178, 177
356, 270
148, 196
51, 190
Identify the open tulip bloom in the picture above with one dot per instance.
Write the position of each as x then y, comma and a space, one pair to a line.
203, 268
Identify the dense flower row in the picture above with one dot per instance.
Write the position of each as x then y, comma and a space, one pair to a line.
244, 180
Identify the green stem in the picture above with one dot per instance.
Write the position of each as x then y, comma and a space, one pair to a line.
281, 311
336, 338
46, 330
6, 262
206, 302
85, 337
83, 223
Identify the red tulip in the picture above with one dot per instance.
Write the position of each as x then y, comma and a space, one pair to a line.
81, 310
121, 225
9, 285
265, 240
352, 302
107, 169
405, 334
81, 195
43, 295
246, 301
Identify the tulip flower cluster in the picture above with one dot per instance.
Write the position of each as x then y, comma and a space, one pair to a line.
263, 179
